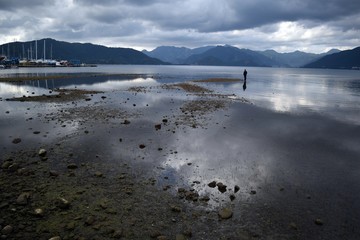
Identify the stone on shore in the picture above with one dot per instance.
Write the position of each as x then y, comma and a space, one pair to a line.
225, 213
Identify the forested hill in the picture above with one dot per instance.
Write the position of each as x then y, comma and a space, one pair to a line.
85, 52
348, 59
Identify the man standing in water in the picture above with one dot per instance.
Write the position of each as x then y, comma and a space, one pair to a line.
245, 74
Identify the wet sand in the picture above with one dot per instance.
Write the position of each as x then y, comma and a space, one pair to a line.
133, 165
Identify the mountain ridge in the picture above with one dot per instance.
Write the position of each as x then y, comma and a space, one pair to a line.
85, 52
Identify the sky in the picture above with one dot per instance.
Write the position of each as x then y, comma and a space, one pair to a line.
283, 25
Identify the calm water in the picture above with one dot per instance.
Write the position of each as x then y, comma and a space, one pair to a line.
302, 136
334, 93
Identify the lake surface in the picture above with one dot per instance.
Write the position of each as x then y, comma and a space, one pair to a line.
296, 145
334, 93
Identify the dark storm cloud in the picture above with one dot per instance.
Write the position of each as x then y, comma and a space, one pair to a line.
11, 5
285, 24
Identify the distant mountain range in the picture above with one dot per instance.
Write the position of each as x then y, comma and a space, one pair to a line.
210, 55
85, 52
232, 56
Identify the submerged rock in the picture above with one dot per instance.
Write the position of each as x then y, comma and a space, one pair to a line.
16, 140
212, 184
221, 187
225, 213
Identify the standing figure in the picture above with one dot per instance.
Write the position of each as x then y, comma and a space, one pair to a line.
245, 74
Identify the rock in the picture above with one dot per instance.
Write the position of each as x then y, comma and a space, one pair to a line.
55, 238
126, 122
165, 120
36, 132
293, 226
155, 234
16, 140
161, 238
42, 152
62, 203
205, 199
225, 213
158, 126
181, 190
319, 222
13, 167
23, 198
39, 212
98, 174
180, 237
192, 196
221, 187
236, 188
117, 234
253, 192
6, 164
188, 233
72, 166
175, 208
7, 230
212, 184
53, 173
232, 197
141, 146
90, 220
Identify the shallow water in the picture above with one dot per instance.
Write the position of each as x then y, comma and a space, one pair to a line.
335, 93
296, 145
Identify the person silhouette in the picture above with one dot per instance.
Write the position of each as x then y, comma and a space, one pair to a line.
245, 74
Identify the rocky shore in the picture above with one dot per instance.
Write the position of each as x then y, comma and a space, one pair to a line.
129, 165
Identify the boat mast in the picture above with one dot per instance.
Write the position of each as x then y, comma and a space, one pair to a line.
44, 49
36, 49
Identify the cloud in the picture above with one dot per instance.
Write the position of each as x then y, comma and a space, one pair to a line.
258, 24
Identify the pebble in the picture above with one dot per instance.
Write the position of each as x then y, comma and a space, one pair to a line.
221, 187
225, 213
72, 166
62, 203
98, 174
319, 222
252, 192
180, 237
53, 173
7, 230
141, 146
293, 226
212, 184
236, 188
39, 212
16, 140
23, 198
42, 152
55, 238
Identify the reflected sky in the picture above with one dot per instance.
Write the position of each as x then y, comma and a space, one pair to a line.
301, 134
335, 93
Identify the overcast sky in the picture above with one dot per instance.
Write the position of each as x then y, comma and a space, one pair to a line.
282, 25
